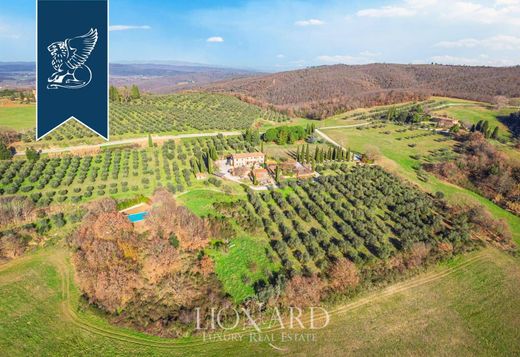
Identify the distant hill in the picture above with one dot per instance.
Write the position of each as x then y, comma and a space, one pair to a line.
17, 74
168, 78
151, 77
321, 91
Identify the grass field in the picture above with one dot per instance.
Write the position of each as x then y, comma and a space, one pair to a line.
200, 201
466, 307
396, 157
243, 261
241, 264
473, 114
18, 117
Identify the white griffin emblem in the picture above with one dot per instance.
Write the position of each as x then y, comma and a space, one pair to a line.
68, 61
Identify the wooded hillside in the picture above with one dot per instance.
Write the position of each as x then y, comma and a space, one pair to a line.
321, 91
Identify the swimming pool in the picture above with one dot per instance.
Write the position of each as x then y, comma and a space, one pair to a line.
137, 217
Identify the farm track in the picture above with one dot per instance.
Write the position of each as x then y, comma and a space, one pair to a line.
59, 260
327, 138
142, 140
133, 141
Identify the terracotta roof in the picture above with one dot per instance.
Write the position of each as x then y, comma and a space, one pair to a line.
260, 172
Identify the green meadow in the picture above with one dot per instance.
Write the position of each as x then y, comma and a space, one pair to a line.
242, 262
20, 117
473, 114
464, 307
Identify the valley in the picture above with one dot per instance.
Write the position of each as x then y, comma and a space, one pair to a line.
368, 175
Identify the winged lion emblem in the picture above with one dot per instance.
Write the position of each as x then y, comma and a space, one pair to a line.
68, 60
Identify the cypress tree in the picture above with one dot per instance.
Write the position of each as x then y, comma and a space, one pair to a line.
495, 133
5, 153
134, 92
150, 142
484, 128
210, 165
307, 154
114, 94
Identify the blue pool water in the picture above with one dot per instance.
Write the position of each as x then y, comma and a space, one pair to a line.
137, 217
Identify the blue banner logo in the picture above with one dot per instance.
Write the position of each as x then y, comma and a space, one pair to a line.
72, 64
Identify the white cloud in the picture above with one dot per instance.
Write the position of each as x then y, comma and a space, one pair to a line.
387, 11
8, 32
466, 42
363, 58
129, 27
215, 39
482, 60
499, 42
507, 12
369, 54
507, 2
309, 22
501, 12
280, 55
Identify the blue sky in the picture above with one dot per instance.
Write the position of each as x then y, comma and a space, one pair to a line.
282, 35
